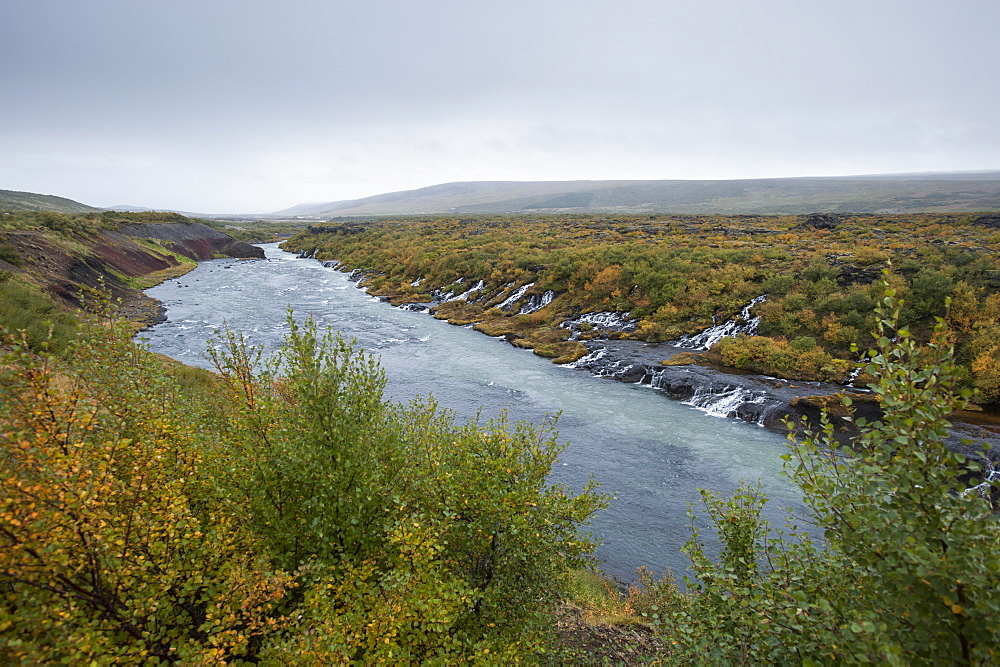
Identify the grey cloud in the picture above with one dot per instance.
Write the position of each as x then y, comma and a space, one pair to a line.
253, 104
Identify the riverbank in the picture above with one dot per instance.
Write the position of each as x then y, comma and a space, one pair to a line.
811, 283
766, 401
769, 402
69, 261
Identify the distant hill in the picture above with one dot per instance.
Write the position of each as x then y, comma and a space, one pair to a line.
887, 193
125, 208
11, 200
29, 201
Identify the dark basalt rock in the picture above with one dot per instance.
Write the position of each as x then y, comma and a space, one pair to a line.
632, 374
193, 239
820, 221
415, 307
357, 275
762, 400
989, 220
856, 275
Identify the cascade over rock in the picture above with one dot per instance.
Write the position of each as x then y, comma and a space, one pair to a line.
744, 324
536, 302
757, 399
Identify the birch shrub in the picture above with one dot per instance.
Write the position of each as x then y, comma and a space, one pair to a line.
282, 511
116, 544
906, 572
371, 501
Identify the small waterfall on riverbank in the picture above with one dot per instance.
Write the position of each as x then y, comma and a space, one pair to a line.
588, 359
743, 324
464, 296
516, 296
718, 397
727, 404
983, 488
603, 321
536, 302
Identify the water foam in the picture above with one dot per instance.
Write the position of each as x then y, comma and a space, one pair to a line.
744, 324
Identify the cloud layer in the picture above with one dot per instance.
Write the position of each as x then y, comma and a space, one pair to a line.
252, 106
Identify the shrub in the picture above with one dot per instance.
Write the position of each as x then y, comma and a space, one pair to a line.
283, 512
795, 360
9, 254
34, 318
803, 343
116, 545
907, 572
341, 483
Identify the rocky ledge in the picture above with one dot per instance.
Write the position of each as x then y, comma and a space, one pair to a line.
766, 401
192, 239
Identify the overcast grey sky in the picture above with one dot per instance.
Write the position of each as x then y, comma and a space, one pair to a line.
256, 105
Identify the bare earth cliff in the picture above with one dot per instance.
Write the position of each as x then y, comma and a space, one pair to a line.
124, 261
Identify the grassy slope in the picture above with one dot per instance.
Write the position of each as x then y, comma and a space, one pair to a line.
49, 261
11, 200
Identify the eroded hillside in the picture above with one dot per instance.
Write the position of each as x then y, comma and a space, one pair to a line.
63, 256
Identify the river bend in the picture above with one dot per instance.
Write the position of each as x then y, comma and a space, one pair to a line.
651, 452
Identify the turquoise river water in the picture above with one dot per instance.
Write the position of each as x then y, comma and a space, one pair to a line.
651, 452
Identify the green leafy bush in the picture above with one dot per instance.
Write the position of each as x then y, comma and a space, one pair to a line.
796, 360
36, 318
116, 546
803, 343
334, 478
9, 254
280, 512
907, 570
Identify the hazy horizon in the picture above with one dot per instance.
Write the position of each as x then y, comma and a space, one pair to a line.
257, 106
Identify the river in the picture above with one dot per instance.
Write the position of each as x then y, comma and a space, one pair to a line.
652, 453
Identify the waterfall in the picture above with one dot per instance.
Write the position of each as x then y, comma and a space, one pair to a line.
536, 302
445, 297
605, 321
983, 488
587, 359
725, 403
743, 324
854, 376
464, 296
516, 296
